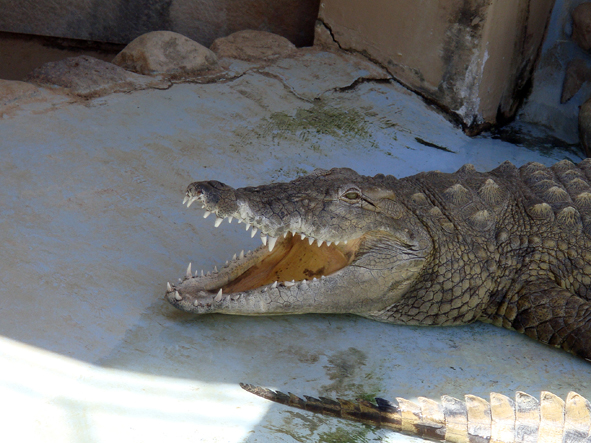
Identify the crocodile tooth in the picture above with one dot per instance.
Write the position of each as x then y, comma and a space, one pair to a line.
310, 240
177, 296
328, 243
241, 254
314, 279
289, 283
249, 251
302, 236
208, 273
264, 239
320, 242
285, 235
272, 241
186, 199
239, 221
196, 303
202, 275
337, 242
190, 202
218, 221
168, 287
230, 219
206, 214
346, 241
247, 226
234, 258
180, 280
274, 285
196, 274
218, 297
188, 274
254, 231
202, 206
227, 262
215, 269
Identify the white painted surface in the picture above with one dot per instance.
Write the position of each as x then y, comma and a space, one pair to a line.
92, 227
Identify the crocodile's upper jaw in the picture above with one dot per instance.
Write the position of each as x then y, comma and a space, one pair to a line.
294, 271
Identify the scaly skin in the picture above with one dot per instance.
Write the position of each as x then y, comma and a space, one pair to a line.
510, 247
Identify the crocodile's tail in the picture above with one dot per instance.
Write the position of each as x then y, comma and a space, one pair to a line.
550, 420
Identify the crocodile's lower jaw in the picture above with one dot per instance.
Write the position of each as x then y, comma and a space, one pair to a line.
294, 260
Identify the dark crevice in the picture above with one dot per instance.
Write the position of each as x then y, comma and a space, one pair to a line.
330, 31
433, 145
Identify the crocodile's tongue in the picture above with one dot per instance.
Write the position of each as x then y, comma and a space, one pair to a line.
294, 259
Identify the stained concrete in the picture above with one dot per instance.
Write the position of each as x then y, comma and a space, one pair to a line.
93, 227
473, 58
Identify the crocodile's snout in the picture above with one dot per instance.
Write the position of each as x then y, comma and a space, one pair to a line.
212, 195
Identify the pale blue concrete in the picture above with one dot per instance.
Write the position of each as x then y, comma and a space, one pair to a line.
93, 227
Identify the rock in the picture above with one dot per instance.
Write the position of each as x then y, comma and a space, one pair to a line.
13, 91
165, 52
585, 127
577, 73
16, 96
582, 25
89, 77
253, 46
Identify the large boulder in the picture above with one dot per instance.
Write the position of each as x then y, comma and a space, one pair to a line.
12, 91
251, 45
577, 74
89, 77
165, 52
582, 25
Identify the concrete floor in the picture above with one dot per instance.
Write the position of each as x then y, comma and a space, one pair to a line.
93, 227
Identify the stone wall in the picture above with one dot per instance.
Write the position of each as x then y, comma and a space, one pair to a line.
120, 21
472, 57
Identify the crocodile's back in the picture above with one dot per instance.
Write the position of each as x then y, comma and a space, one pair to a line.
512, 247
517, 200
511, 216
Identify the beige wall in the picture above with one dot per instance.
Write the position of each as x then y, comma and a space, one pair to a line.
472, 57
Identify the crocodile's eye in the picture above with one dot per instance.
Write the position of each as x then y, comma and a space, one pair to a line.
352, 195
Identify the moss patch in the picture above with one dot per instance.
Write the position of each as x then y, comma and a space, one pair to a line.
318, 119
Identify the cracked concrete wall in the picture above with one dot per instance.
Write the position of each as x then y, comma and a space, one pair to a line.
472, 57
120, 21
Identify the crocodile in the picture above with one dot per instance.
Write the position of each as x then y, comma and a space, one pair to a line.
502, 420
511, 247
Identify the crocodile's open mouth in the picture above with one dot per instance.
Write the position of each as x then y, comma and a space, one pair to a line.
291, 259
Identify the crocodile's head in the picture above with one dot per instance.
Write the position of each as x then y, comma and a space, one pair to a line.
333, 241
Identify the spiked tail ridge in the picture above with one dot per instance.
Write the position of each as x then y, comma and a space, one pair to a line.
403, 418
503, 420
